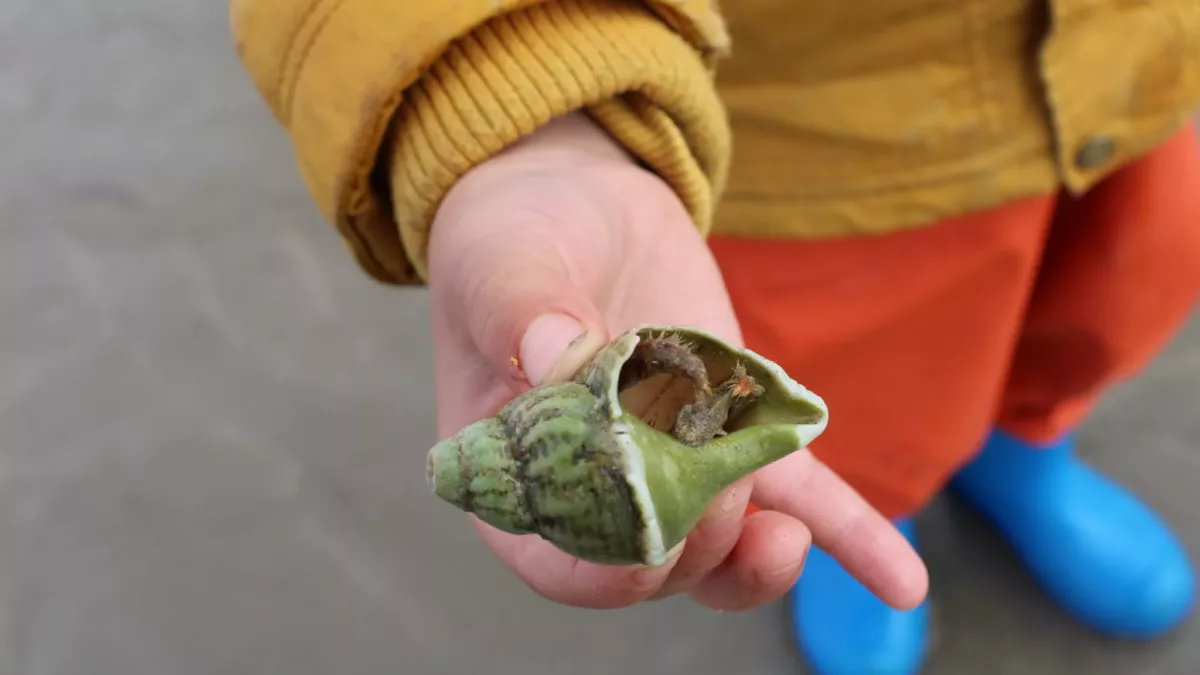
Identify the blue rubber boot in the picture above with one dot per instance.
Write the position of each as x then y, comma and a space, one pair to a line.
843, 629
1096, 549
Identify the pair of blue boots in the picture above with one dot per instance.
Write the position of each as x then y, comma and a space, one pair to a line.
1094, 548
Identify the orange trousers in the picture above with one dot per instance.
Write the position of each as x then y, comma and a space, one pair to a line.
1017, 318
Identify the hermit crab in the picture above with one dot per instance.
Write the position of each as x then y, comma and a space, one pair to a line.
617, 465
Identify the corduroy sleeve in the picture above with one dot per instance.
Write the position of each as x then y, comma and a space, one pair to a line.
387, 104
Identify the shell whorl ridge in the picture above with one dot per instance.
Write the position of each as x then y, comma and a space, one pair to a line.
572, 463
547, 464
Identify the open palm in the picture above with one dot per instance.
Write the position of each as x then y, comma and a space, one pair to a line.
561, 236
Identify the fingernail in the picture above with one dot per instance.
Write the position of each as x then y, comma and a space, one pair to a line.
647, 579
554, 347
792, 568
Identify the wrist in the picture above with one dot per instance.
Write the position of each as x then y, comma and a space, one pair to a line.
572, 137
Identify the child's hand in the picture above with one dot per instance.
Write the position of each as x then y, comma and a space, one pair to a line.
565, 235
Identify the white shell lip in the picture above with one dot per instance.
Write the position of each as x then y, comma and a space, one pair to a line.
653, 543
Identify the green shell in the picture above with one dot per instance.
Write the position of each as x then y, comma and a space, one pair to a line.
573, 463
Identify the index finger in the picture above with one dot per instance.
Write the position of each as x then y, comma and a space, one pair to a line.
843, 524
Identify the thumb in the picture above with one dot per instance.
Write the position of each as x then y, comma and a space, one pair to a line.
556, 345
513, 291
529, 321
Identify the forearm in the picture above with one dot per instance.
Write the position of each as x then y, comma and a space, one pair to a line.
387, 112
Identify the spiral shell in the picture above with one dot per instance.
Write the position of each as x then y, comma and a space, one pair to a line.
616, 466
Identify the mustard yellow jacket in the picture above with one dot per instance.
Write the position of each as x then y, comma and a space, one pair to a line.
850, 116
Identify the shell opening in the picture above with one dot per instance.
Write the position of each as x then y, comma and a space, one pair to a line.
690, 387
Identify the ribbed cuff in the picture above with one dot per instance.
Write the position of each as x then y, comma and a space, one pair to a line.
638, 78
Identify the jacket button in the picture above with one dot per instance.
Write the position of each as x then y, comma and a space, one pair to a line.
1095, 152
